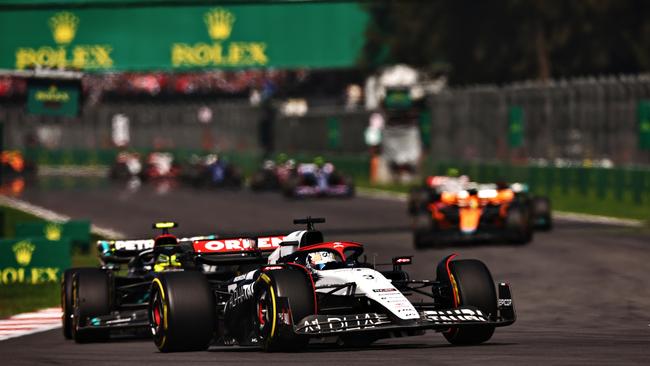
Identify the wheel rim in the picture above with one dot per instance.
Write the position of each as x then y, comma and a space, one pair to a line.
156, 316
263, 311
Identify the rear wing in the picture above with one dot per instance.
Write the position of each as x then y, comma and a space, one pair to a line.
123, 250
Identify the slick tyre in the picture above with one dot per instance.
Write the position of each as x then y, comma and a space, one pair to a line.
66, 300
279, 294
91, 297
473, 285
181, 312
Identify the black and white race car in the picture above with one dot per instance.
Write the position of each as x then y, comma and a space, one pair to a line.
308, 288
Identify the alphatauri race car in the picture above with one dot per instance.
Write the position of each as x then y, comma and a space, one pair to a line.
311, 289
451, 210
102, 302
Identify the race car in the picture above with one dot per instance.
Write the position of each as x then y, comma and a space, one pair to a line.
451, 210
211, 170
102, 302
14, 164
160, 165
540, 206
318, 179
127, 165
272, 176
311, 289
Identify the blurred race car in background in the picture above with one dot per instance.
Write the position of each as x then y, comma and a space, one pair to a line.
318, 179
14, 164
160, 165
127, 165
211, 170
102, 302
453, 209
273, 175
309, 288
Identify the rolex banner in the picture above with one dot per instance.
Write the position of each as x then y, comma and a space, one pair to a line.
77, 231
33, 261
183, 37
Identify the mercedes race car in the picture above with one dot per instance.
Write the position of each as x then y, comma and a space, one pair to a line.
451, 210
309, 289
101, 302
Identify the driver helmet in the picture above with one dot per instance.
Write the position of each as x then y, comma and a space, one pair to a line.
318, 260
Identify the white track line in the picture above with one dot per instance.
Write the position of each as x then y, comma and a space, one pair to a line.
30, 323
374, 193
50, 215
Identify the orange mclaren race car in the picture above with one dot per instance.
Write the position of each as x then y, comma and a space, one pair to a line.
454, 210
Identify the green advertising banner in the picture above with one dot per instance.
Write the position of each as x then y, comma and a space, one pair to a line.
515, 126
33, 261
333, 133
52, 98
287, 35
77, 231
644, 124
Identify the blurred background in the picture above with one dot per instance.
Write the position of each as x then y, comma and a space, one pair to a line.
548, 92
101, 98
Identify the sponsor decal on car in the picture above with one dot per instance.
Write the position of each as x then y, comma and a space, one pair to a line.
237, 245
134, 244
341, 323
384, 289
454, 316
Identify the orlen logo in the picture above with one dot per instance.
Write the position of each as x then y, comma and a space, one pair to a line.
235, 245
269, 242
226, 245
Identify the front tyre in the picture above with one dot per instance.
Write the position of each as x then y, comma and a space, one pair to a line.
181, 312
472, 285
279, 296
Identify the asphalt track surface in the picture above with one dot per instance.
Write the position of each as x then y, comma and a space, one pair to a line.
582, 291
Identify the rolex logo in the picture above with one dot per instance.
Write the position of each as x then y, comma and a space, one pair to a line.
64, 27
23, 251
219, 22
53, 232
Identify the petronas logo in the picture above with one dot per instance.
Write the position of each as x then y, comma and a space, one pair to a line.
64, 27
53, 232
23, 251
219, 22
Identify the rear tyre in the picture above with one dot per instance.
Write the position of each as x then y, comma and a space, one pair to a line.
181, 312
293, 284
66, 300
91, 297
475, 287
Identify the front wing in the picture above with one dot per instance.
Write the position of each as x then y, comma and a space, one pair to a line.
439, 320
